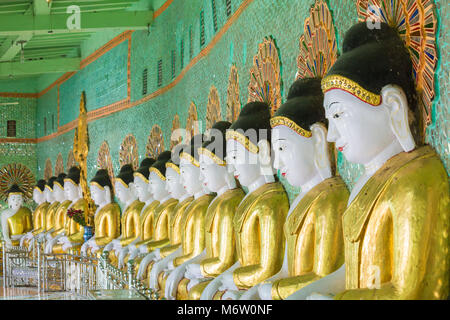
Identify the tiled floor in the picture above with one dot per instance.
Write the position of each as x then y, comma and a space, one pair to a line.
33, 294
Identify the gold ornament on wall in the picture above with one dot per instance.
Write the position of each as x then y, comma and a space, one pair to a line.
128, 153
48, 169
16, 173
233, 99
192, 122
59, 164
213, 113
318, 45
174, 140
70, 160
155, 143
265, 76
104, 160
416, 22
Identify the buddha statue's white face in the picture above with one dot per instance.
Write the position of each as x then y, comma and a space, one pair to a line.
123, 193
48, 195
142, 188
190, 177
38, 196
58, 193
360, 131
157, 186
100, 196
71, 191
243, 163
212, 175
15, 201
173, 185
294, 155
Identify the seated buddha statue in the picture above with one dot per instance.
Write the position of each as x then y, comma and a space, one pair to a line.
107, 214
193, 231
219, 253
146, 216
73, 232
259, 218
177, 191
16, 220
53, 206
396, 224
38, 217
130, 220
313, 228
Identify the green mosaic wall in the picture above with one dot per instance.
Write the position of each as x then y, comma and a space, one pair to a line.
282, 20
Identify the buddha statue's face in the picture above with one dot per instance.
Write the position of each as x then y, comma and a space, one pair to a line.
71, 191
173, 185
15, 201
48, 194
157, 186
190, 177
142, 188
38, 196
58, 192
97, 194
212, 175
243, 163
294, 155
123, 193
360, 131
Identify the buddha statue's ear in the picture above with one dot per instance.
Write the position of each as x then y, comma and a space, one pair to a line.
396, 102
321, 156
265, 160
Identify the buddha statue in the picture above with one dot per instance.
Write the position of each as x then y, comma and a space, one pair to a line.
259, 218
73, 232
177, 191
16, 219
146, 216
107, 214
219, 253
53, 206
130, 220
38, 217
396, 224
192, 221
313, 228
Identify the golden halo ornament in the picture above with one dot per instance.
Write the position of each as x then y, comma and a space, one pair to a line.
416, 23
192, 127
16, 173
104, 160
48, 169
175, 125
59, 164
70, 160
155, 142
213, 113
233, 98
128, 153
265, 76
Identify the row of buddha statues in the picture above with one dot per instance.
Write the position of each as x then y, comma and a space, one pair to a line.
190, 231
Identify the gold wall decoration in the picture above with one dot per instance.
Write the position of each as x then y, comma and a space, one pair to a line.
175, 125
233, 98
16, 173
318, 45
48, 169
70, 160
416, 22
59, 164
104, 160
213, 113
265, 76
128, 153
192, 127
155, 142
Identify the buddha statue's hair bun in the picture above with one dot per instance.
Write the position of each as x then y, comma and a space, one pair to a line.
74, 174
305, 87
51, 181
160, 163
40, 184
219, 149
102, 178
254, 115
126, 174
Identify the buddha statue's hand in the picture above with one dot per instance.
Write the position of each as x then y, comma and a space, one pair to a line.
143, 265
116, 245
193, 271
228, 283
66, 246
232, 295
133, 254
319, 296
173, 280
143, 249
48, 236
122, 254
109, 246
84, 248
192, 283
157, 268
170, 266
63, 240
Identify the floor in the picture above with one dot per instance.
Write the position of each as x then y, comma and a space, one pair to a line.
33, 294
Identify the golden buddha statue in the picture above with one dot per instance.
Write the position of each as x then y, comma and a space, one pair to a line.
107, 215
16, 220
259, 219
54, 204
396, 225
61, 211
313, 229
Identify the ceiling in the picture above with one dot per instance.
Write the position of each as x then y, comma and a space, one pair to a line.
35, 38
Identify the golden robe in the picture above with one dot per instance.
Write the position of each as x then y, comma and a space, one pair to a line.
60, 217
396, 231
20, 223
313, 231
107, 224
39, 215
50, 216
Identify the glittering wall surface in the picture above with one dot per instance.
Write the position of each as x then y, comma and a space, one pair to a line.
118, 75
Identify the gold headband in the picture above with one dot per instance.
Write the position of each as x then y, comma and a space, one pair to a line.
188, 157
138, 174
71, 181
95, 183
173, 166
239, 137
284, 121
340, 82
47, 186
15, 193
56, 182
160, 175
36, 187
121, 181
211, 155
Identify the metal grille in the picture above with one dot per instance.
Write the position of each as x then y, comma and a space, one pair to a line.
160, 80
213, 4
228, 4
191, 44
11, 128
202, 28
173, 64
182, 54
144, 81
